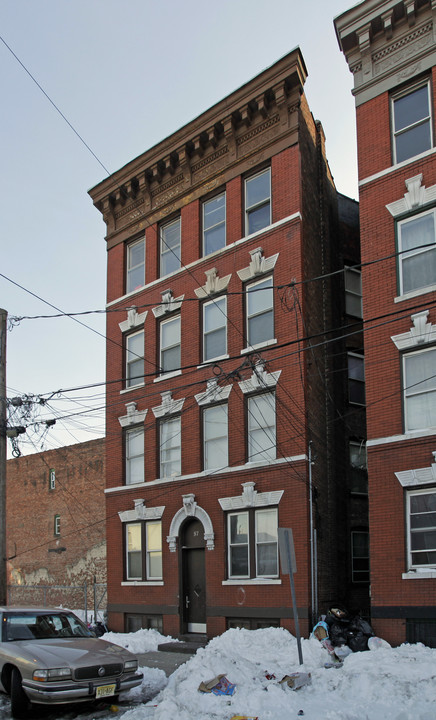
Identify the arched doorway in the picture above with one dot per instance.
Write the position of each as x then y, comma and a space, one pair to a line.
193, 576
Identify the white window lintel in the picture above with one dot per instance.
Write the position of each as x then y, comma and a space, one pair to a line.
421, 332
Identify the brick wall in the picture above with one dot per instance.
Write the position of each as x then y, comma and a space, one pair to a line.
31, 507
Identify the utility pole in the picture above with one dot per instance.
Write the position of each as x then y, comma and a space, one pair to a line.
3, 589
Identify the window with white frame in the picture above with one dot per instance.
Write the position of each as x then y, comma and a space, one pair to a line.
214, 329
411, 122
258, 201
135, 359
170, 247
57, 525
51, 479
144, 550
170, 447
134, 454
421, 528
135, 277
356, 379
353, 292
419, 375
417, 252
252, 543
261, 423
214, 224
170, 344
215, 437
360, 556
260, 311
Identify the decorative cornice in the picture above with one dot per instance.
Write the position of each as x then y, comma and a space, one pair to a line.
141, 512
259, 265
214, 284
133, 417
168, 405
134, 320
260, 380
421, 333
214, 393
421, 476
193, 154
417, 196
250, 498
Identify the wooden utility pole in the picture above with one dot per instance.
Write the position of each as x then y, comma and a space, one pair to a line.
3, 589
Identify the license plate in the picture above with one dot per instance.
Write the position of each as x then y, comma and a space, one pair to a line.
104, 691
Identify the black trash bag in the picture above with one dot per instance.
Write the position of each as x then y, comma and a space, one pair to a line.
338, 624
358, 633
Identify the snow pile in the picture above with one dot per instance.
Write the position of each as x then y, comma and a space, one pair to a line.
141, 641
385, 684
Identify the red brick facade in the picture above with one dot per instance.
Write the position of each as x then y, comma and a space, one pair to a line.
67, 484
401, 461
263, 130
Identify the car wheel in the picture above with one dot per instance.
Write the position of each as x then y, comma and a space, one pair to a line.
20, 704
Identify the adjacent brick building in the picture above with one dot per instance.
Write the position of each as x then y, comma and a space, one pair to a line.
390, 46
231, 276
55, 522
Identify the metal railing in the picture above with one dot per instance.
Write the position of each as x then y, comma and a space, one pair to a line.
86, 597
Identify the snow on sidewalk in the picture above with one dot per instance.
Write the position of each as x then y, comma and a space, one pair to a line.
384, 684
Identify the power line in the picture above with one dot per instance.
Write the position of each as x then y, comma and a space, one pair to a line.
54, 105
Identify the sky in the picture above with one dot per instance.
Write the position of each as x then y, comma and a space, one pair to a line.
124, 75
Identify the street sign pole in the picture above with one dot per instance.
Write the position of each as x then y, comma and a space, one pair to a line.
287, 557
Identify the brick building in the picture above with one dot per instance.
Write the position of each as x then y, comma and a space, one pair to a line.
390, 47
55, 521
230, 279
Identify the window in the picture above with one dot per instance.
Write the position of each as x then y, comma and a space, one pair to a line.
170, 447
215, 437
135, 265
51, 479
258, 202
214, 329
417, 252
261, 427
135, 359
421, 514
170, 345
353, 292
146, 622
252, 623
411, 121
252, 543
359, 467
214, 224
57, 525
360, 556
419, 370
260, 312
170, 247
144, 551
134, 444
356, 379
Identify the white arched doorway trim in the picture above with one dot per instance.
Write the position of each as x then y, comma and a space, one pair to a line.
191, 509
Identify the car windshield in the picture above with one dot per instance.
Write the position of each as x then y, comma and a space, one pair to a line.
42, 625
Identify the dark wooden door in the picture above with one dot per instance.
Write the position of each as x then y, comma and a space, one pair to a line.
193, 577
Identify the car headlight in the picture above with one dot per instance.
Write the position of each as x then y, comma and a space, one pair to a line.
52, 674
131, 665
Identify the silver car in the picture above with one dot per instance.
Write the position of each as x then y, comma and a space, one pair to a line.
48, 656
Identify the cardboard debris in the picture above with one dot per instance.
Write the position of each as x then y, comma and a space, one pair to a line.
219, 685
244, 717
296, 680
